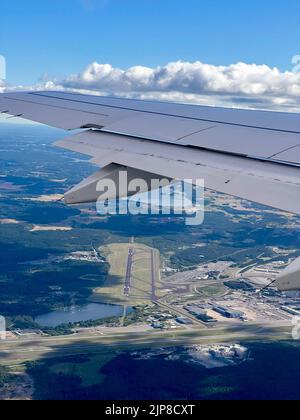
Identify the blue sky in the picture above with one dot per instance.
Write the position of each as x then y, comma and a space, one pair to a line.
61, 37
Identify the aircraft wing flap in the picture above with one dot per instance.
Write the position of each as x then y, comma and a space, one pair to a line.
158, 127
244, 141
277, 194
291, 155
279, 185
100, 157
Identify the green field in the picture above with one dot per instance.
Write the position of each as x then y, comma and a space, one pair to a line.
89, 371
213, 291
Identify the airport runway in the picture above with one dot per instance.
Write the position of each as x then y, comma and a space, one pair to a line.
154, 278
128, 275
17, 351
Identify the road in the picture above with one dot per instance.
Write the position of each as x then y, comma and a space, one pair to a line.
17, 351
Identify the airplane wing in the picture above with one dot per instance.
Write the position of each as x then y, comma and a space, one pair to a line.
289, 279
253, 155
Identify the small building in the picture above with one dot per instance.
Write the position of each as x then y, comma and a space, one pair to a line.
229, 313
184, 321
199, 313
26, 332
158, 325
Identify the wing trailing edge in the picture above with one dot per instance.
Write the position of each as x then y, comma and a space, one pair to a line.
267, 183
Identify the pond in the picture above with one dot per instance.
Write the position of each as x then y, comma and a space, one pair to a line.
90, 312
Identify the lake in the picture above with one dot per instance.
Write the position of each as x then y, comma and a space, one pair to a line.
90, 312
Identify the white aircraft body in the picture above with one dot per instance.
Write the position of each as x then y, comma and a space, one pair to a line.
254, 155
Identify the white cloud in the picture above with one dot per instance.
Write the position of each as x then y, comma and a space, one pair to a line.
248, 84
240, 84
48, 85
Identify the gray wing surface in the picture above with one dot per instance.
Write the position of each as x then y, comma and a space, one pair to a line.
254, 155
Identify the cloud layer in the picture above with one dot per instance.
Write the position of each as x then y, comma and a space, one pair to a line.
240, 84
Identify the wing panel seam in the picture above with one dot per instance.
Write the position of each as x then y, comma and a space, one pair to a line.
169, 115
